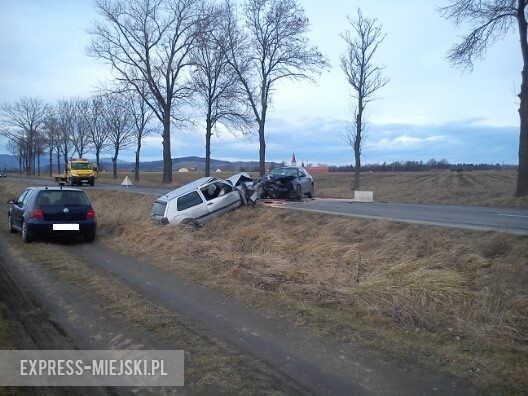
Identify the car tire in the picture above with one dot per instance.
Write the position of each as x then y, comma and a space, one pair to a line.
191, 224
311, 194
26, 235
92, 183
89, 236
10, 225
298, 193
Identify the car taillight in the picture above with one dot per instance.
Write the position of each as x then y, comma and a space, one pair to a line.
37, 214
90, 214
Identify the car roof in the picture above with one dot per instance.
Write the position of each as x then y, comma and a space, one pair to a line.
187, 188
46, 188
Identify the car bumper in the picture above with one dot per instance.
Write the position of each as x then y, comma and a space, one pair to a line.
47, 228
82, 179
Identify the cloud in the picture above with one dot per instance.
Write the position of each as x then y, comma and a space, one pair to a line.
405, 142
319, 140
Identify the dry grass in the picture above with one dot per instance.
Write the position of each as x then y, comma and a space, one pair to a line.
458, 297
454, 299
478, 188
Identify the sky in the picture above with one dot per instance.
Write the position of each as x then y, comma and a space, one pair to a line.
428, 110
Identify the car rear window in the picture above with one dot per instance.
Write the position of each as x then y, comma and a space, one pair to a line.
159, 208
189, 200
62, 198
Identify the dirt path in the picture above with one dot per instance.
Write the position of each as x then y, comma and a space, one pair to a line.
320, 365
51, 312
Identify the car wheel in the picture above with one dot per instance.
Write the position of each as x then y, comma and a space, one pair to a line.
10, 224
298, 192
312, 191
192, 224
26, 236
90, 236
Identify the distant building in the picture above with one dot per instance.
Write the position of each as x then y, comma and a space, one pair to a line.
183, 170
293, 160
317, 169
218, 170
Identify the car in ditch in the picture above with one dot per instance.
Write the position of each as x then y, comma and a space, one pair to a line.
287, 182
51, 211
197, 202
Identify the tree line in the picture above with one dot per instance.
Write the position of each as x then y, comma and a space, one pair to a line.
419, 166
104, 123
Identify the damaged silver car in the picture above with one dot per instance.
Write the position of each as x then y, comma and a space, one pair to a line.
208, 197
201, 200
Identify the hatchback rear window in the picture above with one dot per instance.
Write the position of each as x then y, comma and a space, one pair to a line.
159, 208
62, 198
189, 200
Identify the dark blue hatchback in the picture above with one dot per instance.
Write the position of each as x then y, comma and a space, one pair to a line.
46, 211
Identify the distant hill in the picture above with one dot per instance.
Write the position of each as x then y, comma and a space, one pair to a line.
9, 162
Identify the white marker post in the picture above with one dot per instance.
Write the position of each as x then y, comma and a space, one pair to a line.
126, 182
363, 196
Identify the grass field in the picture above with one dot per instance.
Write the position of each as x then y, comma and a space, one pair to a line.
421, 293
477, 188
453, 300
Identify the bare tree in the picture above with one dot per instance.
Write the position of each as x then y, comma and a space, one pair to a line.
216, 83
16, 148
80, 131
22, 122
490, 20
272, 45
51, 134
65, 111
364, 76
141, 117
96, 125
119, 123
149, 41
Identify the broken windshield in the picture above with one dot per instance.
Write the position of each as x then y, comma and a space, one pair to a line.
285, 171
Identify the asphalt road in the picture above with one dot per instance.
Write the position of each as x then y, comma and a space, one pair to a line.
466, 217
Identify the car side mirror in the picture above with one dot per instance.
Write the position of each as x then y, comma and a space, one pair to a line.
12, 201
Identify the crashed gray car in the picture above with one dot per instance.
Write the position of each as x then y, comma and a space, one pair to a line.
201, 200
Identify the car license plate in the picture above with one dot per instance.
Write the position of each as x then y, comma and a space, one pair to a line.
65, 227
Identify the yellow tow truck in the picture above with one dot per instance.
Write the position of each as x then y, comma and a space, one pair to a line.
78, 171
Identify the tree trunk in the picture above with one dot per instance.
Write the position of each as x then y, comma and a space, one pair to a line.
20, 165
167, 158
97, 155
65, 155
262, 149
136, 168
357, 145
38, 164
208, 133
114, 162
522, 173
51, 162
58, 163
